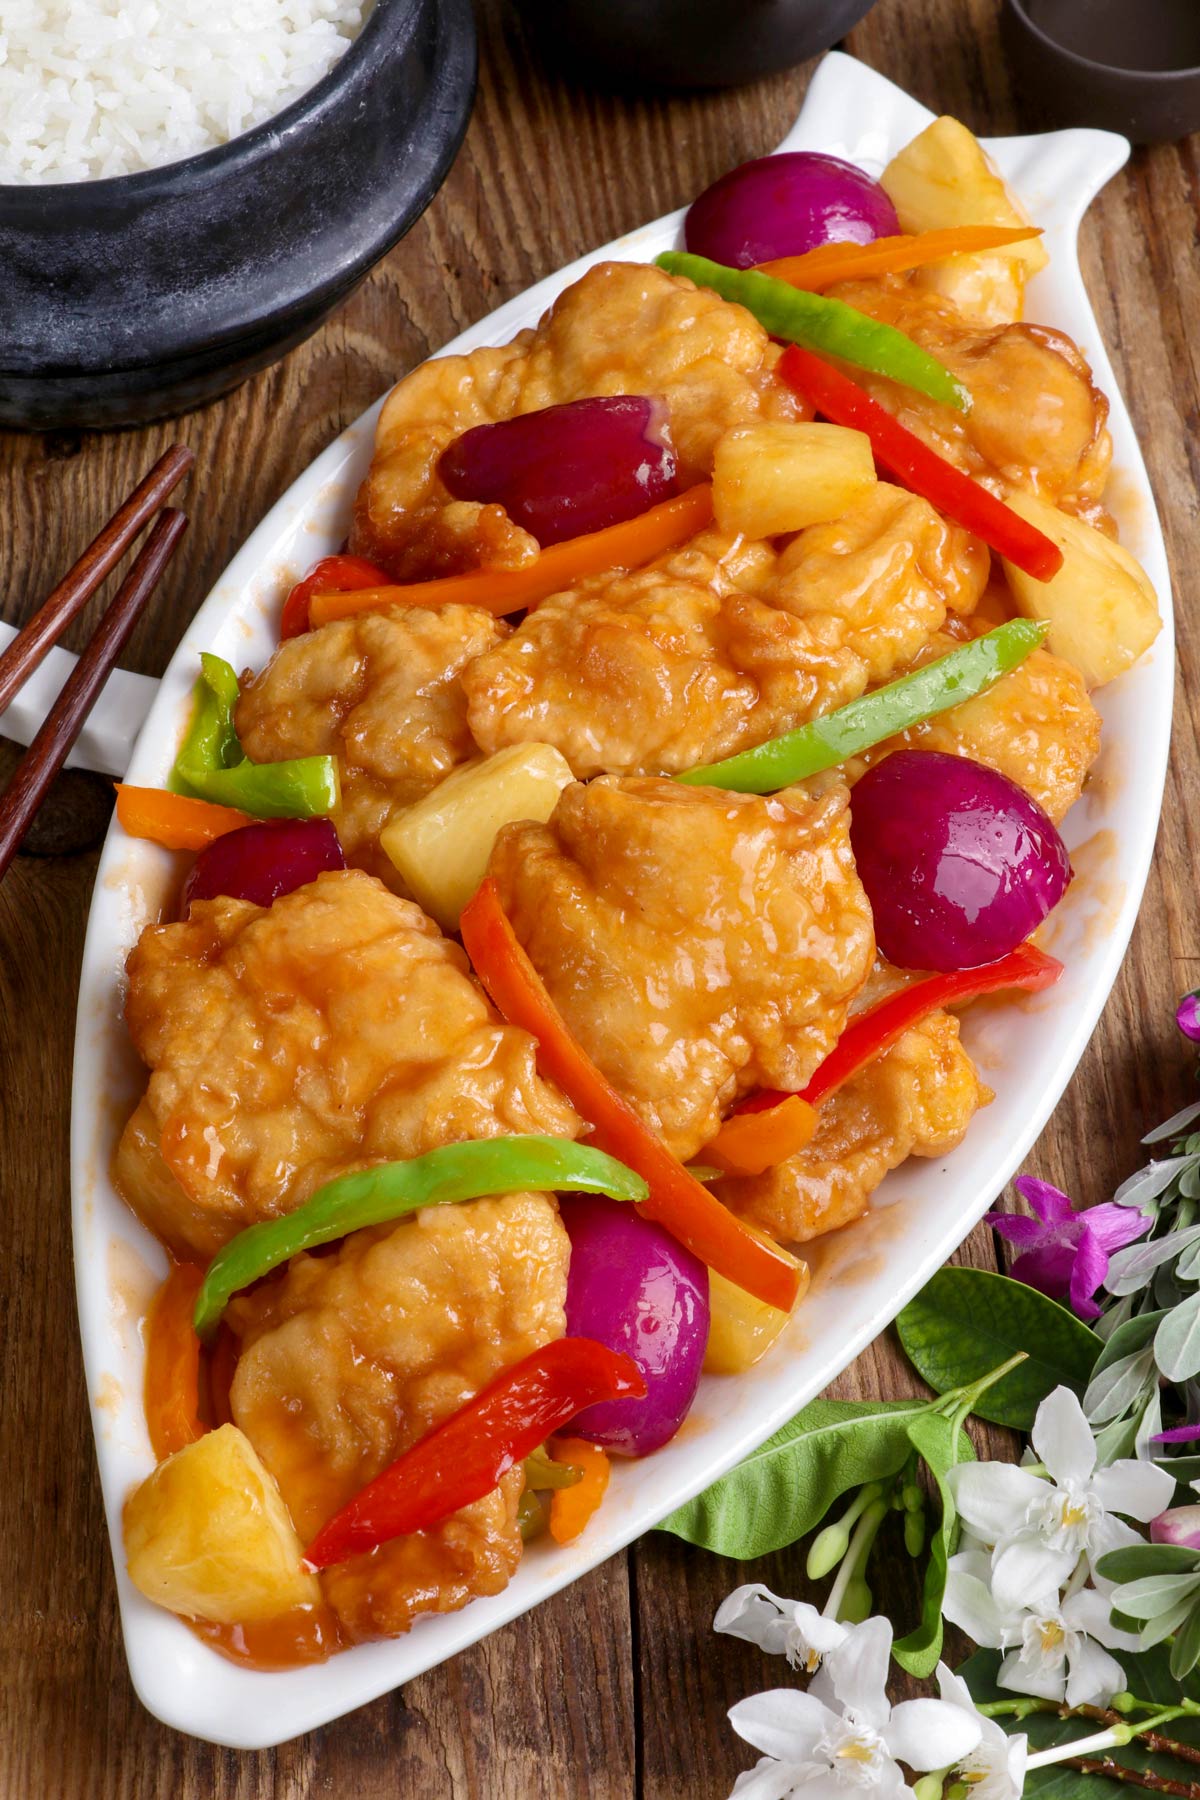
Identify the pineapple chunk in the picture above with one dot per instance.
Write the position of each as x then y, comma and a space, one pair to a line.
442, 844
208, 1535
1101, 607
944, 178
769, 479
741, 1329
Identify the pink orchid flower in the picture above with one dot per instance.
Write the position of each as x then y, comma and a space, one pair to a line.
1064, 1253
1187, 1016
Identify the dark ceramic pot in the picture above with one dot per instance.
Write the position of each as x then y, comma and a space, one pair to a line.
127, 299
1131, 66
690, 43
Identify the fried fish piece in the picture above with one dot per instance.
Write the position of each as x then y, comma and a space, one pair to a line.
382, 692
915, 1100
722, 644
622, 328
350, 1357
287, 1044
697, 943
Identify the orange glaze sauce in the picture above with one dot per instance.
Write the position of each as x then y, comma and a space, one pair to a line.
310, 1634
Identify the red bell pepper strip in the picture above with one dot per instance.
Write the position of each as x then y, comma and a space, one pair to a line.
463, 1458
911, 461
677, 1200
332, 575
871, 1033
172, 1390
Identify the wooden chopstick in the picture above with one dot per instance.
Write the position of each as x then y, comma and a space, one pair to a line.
78, 585
48, 751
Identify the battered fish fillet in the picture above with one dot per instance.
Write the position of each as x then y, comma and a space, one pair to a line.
698, 943
723, 644
1037, 420
623, 328
1036, 725
917, 1100
351, 1357
382, 693
333, 1029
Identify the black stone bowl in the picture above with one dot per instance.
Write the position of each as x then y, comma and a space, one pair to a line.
127, 299
1131, 66
690, 43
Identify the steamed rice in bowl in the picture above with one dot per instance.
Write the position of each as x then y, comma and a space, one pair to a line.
97, 88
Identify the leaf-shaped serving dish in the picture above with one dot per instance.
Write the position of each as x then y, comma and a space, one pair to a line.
1027, 1049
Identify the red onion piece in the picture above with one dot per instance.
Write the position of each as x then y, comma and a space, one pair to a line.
260, 862
632, 1287
784, 205
570, 469
959, 863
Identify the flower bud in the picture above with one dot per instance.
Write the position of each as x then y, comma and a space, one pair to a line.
827, 1550
856, 1602
914, 1533
914, 1498
928, 1788
1178, 1525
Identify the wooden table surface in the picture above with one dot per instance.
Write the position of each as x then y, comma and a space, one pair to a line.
617, 1688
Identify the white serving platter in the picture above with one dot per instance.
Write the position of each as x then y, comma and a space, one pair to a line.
1027, 1049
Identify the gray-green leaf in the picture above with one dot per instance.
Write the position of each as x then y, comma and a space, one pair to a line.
1130, 1269
1177, 1341
1115, 1389
1154, 1594
1173, 1127
1134, 1561
967, 1321
788, 1484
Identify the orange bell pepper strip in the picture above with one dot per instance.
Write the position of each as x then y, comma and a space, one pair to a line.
678, 1202
332, 575
868, 1035
749, 1142
827, 263
501, 591
175, 820
172, 1387
572, 1507
911, 461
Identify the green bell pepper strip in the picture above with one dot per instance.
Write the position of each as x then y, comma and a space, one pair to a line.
825, 742
829, 326
212, 765
376, 1196
543, 1473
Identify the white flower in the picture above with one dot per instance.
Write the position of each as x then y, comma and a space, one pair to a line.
788, 1628
1040, 1528
995, 1768
1054, 1645
844, 1733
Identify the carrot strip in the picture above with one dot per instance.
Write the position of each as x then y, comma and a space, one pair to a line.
750, 1142
572, 1507
677, 1200
172, 1389
828, 263
174, 820
332, 575
559, 566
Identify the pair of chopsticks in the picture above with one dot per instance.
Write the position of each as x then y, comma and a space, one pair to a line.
65, 720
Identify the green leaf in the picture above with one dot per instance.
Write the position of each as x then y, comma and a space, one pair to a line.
1130, 1269
1183, 1468
787, 1485
1151, 1595
1133, 1334
1148, 1675
1185, 1651
1135, 1560
1162, 1626
1177, 1341
966, 1321
941, 1443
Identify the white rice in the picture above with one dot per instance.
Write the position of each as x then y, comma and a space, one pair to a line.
91, 88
